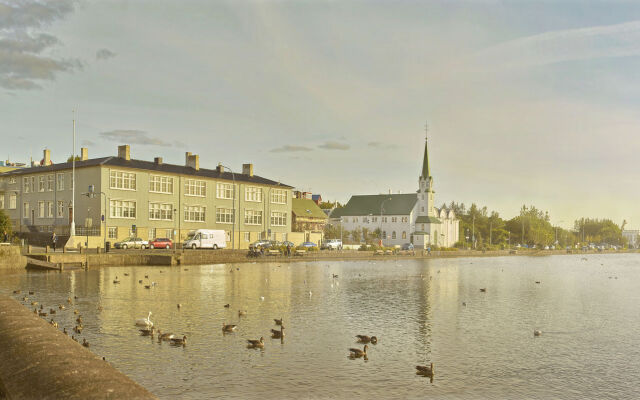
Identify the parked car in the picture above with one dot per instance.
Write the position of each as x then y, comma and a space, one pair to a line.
288, 244
407, 246
131, 243
332, 244
205, 238
309, 244
260, 243
161, 243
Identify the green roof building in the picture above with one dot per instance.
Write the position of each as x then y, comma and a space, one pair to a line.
403, 218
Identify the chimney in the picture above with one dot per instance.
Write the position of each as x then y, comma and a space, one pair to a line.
46, 157
247, 169
84, 154
186, 157
220, 168
123, 152
157, 160
193, 161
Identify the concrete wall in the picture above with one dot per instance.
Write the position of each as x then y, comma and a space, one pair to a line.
40, 362
11, 257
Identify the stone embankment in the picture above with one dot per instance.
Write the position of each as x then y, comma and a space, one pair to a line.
40, 362
11, 257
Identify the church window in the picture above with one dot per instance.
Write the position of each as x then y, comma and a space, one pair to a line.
393, 235
404, 234
394, 219
405, 219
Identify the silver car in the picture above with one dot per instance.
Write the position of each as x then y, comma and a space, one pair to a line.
131, 243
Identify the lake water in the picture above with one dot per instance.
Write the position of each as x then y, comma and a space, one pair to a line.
588, 311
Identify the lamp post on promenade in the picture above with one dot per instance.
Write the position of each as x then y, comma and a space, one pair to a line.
91, 194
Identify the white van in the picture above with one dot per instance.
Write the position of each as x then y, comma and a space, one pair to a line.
206, 238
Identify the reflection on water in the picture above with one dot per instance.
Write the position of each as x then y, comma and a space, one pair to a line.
482, 343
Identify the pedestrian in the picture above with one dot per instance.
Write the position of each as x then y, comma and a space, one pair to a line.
54, 239
288, 250
6, 236
429, 250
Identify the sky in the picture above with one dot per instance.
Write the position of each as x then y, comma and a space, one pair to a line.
530, 103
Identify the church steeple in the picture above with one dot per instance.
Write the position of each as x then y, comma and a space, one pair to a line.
426, 174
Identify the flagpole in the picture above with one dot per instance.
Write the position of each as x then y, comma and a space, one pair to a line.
72, 228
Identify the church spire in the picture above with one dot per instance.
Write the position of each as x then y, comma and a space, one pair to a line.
426, 173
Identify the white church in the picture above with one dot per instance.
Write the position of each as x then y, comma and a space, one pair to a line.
403, 218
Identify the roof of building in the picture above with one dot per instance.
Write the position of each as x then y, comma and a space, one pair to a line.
307, 208
149, 166
423, 219
394, 204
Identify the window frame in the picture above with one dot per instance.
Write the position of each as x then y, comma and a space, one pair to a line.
160, 184
280, 220
114, 208
118, 178
253, 194
194, 210
226, 214
253, 217
198, 185
223, 189
278, 194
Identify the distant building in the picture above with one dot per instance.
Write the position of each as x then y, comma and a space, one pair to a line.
403, 218
316, 198
632, 237
308, 218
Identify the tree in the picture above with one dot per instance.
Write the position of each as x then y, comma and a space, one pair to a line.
71, 158
328, 205
5, 225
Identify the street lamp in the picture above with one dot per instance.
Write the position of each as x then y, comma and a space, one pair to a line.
233, 228
91, 194
381, 209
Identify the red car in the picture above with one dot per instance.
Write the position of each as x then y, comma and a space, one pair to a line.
160, 243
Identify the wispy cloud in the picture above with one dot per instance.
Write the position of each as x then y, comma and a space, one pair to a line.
380, 145
22, 64
104, 54
87, 142
290, 149
334, 146
133, 136
619, 40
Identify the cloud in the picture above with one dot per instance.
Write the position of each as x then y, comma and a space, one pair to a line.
132, 136
334, 146
289, 149
380, 145
104, 54
87, 142
22, 64
619, 40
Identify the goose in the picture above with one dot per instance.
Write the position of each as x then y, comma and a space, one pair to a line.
79, 320
228, 328
76, 312
179, 341
41, 306
61, 307
261, 298
144, 321
17, 291
164, 336
424, 370
357, 353
31, 292
179, 305
538, 282
147, 331
146, 276
78, 329
34, 303
25, 298
464, 303
69, 300
278, 321
126, 274
74, 338
278, 334
64, 330
35, 311
54, 323
256, 343
367, 339
537, 332
140, 281
242, 313
227, 305
85, 343
116, 280
42, 314
483, 289
147, 286
75, 297
374, 340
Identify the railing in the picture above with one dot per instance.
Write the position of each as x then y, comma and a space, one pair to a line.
84, 231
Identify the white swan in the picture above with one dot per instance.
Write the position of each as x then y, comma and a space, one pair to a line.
145, 321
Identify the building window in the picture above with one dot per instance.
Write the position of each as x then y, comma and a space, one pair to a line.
60, 182
168, 233
384, 234
113, 232
60, 208
12, 179
49, 209
224, 215
122, 180
193, 187
384, 220
374, 219
355, 220
152, 233
161, 211
41, 207
41, 183
194, 213
50, 183
253, 217
122, 209
278, 218
224, 190
394, 219
253, 193
393, 235
404, 234
405, 219
247, 236
25, 210
13, 199
26, 188
160, 184
365, 220
279, 196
